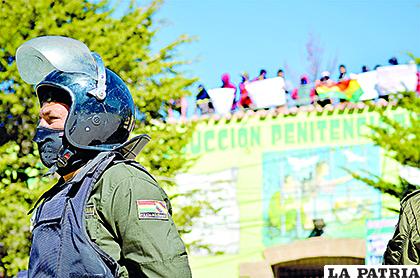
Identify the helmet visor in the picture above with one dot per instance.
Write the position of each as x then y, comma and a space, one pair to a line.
36, 58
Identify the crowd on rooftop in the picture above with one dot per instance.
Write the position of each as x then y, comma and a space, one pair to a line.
303, 95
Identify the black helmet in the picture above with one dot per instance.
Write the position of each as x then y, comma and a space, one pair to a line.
101, 114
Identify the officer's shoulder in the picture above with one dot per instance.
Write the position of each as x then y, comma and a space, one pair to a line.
123, 170
413, 197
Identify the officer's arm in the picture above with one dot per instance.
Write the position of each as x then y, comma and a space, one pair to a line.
150, 243
411, 255
403, 247
395, 249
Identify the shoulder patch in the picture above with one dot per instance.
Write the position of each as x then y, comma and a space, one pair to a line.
152, 209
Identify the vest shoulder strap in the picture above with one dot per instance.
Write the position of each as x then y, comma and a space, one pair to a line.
91, 168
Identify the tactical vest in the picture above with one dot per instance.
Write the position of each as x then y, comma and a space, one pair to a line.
61, 246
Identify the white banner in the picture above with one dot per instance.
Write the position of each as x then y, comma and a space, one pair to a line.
222, 99
267, 93
368, 82
399, 78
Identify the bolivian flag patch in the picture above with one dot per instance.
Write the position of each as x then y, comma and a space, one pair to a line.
151, 209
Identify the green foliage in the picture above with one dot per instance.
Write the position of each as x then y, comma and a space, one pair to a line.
124, 44
400, 141
416, 59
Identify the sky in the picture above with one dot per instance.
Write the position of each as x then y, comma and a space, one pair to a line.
248, 35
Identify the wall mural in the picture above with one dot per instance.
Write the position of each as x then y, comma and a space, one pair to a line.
303, 185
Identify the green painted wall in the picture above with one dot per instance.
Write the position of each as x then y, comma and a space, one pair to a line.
267, 151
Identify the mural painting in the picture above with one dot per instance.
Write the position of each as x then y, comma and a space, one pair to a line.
303, 185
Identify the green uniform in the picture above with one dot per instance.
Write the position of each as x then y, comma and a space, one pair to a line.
143, 239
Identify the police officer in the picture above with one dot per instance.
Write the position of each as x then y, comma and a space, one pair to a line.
404, 246
106, 216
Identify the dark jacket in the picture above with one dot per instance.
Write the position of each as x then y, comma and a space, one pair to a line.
404, 247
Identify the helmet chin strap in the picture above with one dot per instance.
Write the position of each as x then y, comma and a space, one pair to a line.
62, 161
70, 159
63, 157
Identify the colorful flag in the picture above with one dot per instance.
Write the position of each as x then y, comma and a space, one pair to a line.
347, 89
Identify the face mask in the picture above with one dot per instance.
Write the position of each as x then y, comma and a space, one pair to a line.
49, 143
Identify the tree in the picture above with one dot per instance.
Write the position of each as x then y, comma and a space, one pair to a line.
124, 44
316, 59
400, 141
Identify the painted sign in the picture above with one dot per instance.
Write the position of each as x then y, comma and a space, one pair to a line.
284, 132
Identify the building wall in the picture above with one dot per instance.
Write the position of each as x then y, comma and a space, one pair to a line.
270, 176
